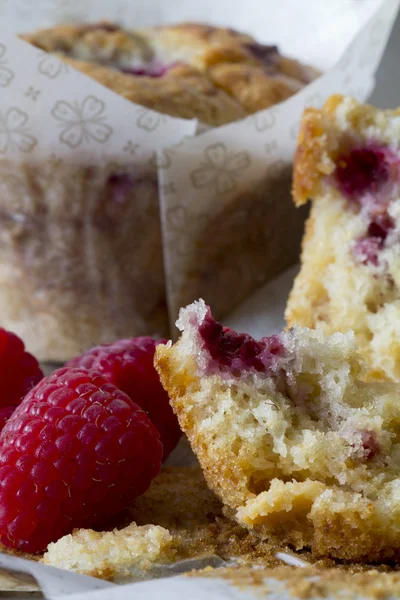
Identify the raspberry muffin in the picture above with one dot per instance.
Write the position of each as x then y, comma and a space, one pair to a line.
347, 163
297, 446
189, 70
81, 259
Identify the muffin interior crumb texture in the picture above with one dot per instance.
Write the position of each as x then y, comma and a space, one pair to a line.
127, 552
347, 162
299, 448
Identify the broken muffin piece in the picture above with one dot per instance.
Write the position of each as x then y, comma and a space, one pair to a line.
116, 555
348, 163
298, 448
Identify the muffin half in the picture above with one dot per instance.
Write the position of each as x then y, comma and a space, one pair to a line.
298, 448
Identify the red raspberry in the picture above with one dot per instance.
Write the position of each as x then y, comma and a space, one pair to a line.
128, 364
75, 452
19, 373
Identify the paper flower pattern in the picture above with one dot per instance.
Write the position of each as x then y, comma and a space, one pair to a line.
263, 120
6, 75
164, 157
220, 169
149, 120
14, 135
83, 122
50, 66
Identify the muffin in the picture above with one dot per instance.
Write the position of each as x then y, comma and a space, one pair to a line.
299, 449
81, 247
190, 70
347, 163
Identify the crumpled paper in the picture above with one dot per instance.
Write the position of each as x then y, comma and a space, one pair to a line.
226, 216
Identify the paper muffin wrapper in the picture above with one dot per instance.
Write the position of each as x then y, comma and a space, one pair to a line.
92, 249
234, 246
80, 255
81, 258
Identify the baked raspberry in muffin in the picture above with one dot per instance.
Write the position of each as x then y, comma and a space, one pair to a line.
188, 70
347, 163
298, 448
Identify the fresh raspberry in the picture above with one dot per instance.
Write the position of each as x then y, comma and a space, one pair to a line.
128, 364
19, 373
75, 452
